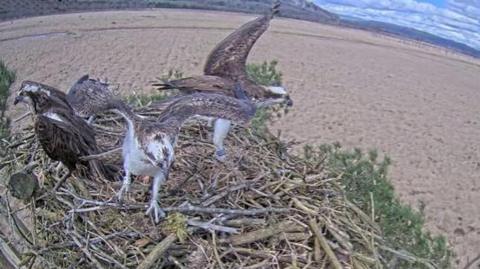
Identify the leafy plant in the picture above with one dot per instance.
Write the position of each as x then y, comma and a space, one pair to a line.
265, 73
367, 185
7, 77
172, 74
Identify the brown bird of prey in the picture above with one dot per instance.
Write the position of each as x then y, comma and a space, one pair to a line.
225, 67
64, 136
148, 146
79, 97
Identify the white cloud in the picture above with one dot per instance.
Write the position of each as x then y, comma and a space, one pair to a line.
459, 20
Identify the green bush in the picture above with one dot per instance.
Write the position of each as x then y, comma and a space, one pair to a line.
265, 73
6, 79
367, 185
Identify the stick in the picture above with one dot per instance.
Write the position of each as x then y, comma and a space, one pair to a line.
211, 227
247, 212
246, 238
22, 117
157, 252
100, 155
324, 244
224, 193
180, 209
86, 252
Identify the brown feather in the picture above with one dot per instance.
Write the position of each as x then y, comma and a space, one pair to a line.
226, 64
229, 58
199, 83
66, 138
84, 96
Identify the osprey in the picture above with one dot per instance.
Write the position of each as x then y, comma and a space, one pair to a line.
81, 97
148, 146
225, 67
64, 136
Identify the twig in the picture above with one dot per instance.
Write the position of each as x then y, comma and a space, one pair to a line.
9, 254
91, 241
246, 212
180, 209
212, 227
324, 244
22, 116
224, 193
100, 155
86, 252
215, 251
246, 238
157, 252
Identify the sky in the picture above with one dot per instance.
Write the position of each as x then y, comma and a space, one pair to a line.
458, 20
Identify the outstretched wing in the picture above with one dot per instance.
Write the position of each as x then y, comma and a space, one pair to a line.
87, 96
228, 59
193, 84
209, 105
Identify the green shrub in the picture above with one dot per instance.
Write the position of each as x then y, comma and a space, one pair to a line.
367, 185
265, 73
6, 79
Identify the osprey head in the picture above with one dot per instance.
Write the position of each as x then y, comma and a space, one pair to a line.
276, 95
38, 95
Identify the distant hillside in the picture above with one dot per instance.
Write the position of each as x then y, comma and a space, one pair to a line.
410, 33
298, 9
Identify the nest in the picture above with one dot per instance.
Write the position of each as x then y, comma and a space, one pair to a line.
262, 208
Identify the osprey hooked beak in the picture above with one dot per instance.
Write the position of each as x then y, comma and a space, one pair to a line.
288, 100
281, 93
18, 99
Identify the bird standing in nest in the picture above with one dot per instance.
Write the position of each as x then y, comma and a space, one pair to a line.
148, 146
79, 97
64, 136
225, 67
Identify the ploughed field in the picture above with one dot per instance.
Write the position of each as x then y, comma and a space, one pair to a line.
418, 104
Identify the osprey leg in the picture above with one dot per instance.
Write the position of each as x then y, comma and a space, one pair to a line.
154, 207
221, 129
126, 182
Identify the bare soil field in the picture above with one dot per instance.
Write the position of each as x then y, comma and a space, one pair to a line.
416, 103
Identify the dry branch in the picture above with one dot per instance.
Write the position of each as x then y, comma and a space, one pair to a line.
157, 252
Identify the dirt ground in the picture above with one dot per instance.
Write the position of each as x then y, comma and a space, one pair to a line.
418, 104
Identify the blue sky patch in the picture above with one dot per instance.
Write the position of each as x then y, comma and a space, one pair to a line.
458, 20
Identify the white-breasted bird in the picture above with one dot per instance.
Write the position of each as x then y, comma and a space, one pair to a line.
148, 146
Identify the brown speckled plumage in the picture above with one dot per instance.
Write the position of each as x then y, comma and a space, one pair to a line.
226, 64
64, 136
83, 96
148, 146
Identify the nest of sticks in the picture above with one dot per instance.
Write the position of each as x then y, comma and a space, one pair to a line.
262, 208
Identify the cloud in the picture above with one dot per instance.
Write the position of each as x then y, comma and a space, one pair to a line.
458, 20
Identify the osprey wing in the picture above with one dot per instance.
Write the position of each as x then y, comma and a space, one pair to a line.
194, 84
229, 57
87, 96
